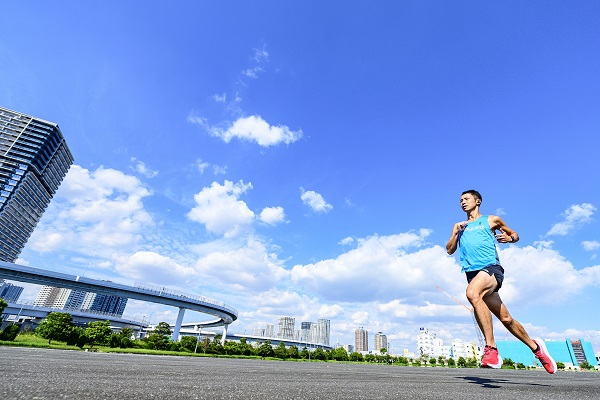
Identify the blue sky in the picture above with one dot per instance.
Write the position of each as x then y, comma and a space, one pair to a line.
306, 158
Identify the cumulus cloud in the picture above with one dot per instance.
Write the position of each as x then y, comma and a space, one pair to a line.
253, 128
381, 268
272, 215
360, 317
592, 245
99, 209
250, 267
152, 267
535, 270
218, 207
141, 168
574, 217
315, 201
330, 311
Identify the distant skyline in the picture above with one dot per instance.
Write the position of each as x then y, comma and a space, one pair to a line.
307, 158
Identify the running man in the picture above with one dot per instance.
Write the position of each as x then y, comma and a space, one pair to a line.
479, 260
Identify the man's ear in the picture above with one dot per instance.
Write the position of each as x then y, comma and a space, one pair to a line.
478, 202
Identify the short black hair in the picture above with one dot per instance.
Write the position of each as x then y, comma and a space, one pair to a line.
474, 193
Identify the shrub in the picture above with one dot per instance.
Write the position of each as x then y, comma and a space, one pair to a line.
10, 333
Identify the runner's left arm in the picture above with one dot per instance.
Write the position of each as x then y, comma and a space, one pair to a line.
506, 234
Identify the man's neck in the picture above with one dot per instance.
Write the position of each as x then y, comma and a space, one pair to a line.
473, 214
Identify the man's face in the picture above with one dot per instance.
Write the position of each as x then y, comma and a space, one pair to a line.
468, 202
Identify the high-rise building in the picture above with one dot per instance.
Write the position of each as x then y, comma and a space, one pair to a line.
322, 332
34, 159
286, 328
10, 292
270, 330
361, 339
428, 343
50, 296
305, 332
104, 303
380, 341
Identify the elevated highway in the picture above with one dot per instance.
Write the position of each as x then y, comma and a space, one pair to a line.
224, 313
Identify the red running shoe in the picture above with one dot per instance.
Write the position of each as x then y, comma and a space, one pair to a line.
491, 358
544, 356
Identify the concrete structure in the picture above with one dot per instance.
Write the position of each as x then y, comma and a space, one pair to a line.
34, 159
380, 341
18, 312
286, 328
225, 314
361, 340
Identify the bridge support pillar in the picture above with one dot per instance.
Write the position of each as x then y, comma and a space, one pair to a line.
178, 324
224, 334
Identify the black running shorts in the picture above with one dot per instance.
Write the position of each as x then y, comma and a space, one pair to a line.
495, 270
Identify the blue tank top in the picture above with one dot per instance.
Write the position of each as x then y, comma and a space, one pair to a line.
477, 245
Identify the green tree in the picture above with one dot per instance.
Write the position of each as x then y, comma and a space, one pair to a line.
265, 349
441, 360
56, 326
293, 352
560, 365
10, 332
370, 358
340, 354
97, 332
77, 337
508, 363
462, 363
355, 356
162, 328
244, 347
3, 305
281, 351
586, 365
432, 361
451, 362
402, 360
319, 354
304, 354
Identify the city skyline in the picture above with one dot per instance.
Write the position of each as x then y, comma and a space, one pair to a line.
317, 172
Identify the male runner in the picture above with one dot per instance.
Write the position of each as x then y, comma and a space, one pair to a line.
479, 259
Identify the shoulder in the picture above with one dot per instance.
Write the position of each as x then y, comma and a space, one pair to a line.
495, 221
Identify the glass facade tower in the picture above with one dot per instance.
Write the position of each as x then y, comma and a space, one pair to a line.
34, 159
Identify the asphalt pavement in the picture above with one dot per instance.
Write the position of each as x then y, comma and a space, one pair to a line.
28, 373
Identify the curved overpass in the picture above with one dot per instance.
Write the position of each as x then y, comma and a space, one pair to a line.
225, 314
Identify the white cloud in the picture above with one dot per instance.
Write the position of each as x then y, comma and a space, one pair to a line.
346, 241
272, 215
152, 267
217, 169
249, 267
380, 268
220, 98
330, 311
100, 210
252, 128
546, 273
141, 168
399, 309
315, 201
590, 245
360, 317
202, 165
218, 207
574, 217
